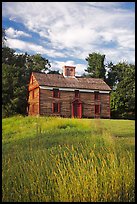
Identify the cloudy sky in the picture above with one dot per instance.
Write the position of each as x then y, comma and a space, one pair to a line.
66, 32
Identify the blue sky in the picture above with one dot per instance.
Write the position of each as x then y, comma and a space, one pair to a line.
66, 32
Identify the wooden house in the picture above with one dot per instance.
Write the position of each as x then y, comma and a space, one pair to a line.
66, 95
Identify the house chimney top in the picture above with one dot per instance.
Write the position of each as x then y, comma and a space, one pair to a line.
69, 71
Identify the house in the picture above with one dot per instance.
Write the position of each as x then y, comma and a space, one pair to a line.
66, 95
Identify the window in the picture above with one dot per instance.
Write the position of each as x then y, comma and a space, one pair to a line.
77, 93
96, 95
56, 107
56, 93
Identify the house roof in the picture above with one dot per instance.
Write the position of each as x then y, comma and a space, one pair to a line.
57, 80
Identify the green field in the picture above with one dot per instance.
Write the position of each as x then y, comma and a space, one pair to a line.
47, 159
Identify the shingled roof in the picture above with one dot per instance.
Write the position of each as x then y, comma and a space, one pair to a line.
57, 80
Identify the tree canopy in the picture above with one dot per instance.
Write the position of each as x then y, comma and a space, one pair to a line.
123, 97
96, 66
121, 78
16, 71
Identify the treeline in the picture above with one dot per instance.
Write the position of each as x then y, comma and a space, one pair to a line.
121, 78
16, 70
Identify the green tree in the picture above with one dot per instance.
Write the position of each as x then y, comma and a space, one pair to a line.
37, 63
16, 71
121, 78
53, 72
7, 89
111, 76
8, 56
96, 67
123, 98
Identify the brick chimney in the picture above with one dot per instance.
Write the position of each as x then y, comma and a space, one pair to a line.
69, 71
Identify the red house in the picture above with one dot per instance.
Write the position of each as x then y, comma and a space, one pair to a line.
66, 95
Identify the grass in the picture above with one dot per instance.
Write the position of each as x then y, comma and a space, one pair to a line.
47, 159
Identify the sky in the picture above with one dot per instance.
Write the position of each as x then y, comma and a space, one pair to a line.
66, 33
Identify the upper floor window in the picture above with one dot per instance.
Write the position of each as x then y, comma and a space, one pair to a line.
77, 93
96, 95
56, 93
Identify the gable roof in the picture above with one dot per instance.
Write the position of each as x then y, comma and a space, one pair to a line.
57, 80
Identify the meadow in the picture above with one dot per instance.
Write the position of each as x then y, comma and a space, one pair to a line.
48, 159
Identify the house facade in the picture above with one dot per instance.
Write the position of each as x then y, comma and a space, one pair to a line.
66, 95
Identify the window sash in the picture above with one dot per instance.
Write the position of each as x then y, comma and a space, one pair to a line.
56, 107
56, 93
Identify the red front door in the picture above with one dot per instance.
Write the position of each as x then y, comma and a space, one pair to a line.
76, 110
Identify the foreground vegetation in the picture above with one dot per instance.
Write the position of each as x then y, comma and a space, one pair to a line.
56, 159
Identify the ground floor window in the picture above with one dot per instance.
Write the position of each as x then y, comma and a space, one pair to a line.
56, 107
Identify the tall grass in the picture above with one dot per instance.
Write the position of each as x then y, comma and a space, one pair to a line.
66, 160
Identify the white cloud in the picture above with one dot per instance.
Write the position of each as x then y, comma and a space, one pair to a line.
31, 47
79, 28
11, 33
21, 45
58, 65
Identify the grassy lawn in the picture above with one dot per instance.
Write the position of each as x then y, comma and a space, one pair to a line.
47, 159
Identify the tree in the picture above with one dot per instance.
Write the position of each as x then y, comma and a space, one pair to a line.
8, 56
53, 72
111, 76
121, 78
16, 71
96, 67
37, 63
123, 98
7, 89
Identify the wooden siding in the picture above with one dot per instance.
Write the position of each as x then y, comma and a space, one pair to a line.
47, 99
65, 100
105, 106
33, 83
33, 102
87, 104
